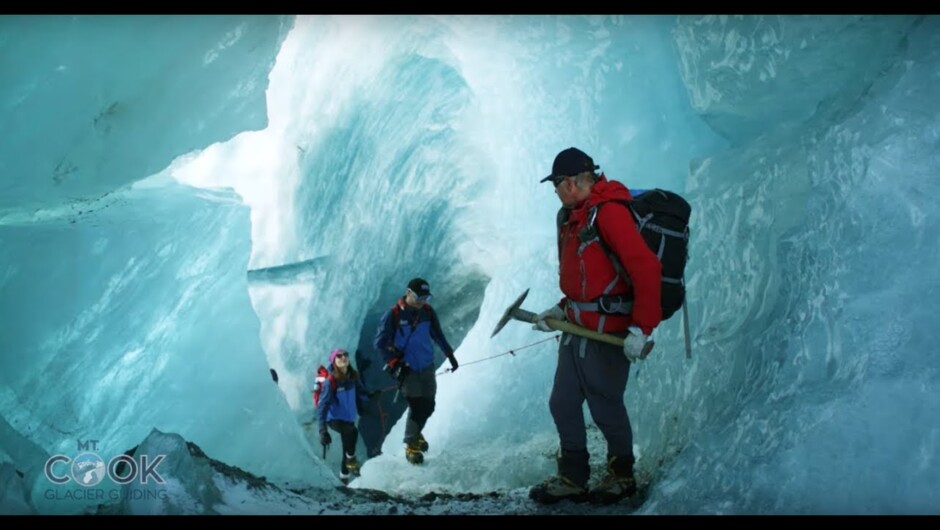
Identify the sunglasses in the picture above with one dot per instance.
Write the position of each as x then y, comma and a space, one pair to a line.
425, 298
338, 355
559, 179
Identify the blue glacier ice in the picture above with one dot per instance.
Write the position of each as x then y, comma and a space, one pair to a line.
110, 85
189, 202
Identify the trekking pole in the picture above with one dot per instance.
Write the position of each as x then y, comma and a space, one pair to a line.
685, 327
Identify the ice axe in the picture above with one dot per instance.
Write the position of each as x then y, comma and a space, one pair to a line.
517, 313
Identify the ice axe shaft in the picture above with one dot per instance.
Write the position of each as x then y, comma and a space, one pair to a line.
514, 312
568, 327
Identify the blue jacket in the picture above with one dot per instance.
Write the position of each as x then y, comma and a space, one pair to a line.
416, 329
341, 403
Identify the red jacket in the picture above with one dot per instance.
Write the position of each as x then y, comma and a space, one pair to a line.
586, 272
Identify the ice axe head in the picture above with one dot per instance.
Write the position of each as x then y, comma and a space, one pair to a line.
507, 316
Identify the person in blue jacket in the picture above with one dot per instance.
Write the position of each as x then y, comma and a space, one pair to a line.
404, 339
341, 396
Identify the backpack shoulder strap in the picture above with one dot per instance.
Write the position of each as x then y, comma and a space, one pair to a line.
396, 315
396, 318
332, 380
591, 231
594, 210
560, 219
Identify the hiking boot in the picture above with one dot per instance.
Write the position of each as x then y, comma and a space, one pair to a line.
619, 483
352, 465
558, 488
613, 489
422, 443
414, 455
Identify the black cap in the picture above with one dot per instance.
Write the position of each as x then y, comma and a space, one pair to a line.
419, 287
570, 162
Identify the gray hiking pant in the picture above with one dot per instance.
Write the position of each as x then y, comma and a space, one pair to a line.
597, 372
419, 389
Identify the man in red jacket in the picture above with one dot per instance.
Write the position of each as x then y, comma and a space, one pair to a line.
597, 298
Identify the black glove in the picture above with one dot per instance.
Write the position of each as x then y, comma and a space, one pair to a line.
453, 363
374, 396
396, 368
325, 438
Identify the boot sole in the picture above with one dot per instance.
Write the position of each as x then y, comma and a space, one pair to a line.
555, 500
544, 498
603, 498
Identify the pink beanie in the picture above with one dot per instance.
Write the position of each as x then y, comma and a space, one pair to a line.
335, 352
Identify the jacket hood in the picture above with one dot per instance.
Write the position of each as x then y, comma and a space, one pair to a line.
604, 190
607, 190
